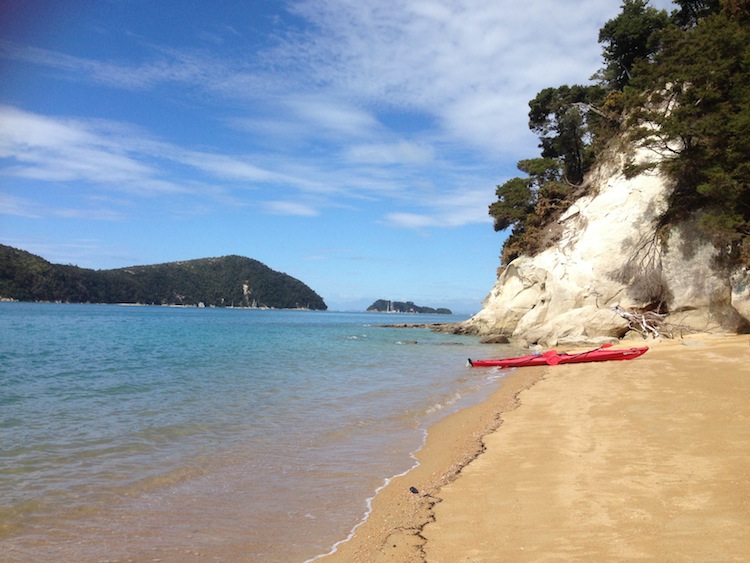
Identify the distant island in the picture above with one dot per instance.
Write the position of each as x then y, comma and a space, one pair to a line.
229, 281
385, 306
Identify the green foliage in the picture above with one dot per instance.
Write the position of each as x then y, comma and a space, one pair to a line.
560, 117
570, 126
515, 201
693, 11
630, 37
683, 81
527, 204
221, 282
703, 75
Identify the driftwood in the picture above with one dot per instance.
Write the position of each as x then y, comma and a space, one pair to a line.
647, 323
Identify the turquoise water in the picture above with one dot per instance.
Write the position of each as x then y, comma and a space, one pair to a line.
210, 434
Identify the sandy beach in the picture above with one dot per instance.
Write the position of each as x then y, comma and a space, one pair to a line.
641, 460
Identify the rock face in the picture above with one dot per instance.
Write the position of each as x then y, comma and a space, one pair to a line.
608, 254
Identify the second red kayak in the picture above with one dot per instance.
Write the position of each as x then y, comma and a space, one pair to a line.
553, 358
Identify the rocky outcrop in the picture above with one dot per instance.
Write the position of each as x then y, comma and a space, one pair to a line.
608, 254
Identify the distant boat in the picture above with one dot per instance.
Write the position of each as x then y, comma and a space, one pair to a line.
553, 358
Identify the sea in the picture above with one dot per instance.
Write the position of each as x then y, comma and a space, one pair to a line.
134, 433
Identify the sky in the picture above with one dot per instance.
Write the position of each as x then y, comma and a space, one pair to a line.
353, 145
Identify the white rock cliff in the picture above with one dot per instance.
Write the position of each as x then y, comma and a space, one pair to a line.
608, 255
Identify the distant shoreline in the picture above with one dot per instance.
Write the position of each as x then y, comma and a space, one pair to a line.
172, 305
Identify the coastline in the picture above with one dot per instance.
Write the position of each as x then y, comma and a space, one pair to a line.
646, 459
392, 529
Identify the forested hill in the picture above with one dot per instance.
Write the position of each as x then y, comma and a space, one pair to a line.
221, 282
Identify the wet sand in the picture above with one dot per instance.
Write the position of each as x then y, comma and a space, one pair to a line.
642, 460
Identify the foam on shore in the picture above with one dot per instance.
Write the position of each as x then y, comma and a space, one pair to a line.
397, 515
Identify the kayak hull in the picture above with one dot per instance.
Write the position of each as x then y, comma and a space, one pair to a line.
553, 358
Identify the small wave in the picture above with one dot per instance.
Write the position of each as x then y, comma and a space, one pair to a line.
437, 407
368, 510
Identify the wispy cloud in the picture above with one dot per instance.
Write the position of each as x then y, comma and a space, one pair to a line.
473, 64
446, 210
338, 117
16, 206
165, 66
470, 65
399, 152
290, 208
390, 100
126, 160
58, 149
68, 150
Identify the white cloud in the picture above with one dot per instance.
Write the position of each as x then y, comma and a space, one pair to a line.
23, 207
108, 154
466, 68
121, 159
165, 66
18, 206
67, 150
296, 123
290, 208
336, 116
401, 152
451, 209
411, 220
225, 166
471, 64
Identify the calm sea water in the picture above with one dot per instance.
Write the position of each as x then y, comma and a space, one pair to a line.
155, 433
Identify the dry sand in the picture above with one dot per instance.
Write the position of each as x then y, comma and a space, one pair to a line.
643, 460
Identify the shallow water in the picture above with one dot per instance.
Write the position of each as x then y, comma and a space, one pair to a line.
213, 434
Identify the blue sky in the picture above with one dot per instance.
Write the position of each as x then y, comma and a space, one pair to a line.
353, 145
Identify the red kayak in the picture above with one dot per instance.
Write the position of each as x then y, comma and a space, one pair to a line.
553, 358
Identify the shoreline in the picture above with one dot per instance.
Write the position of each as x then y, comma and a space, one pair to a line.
391, 529
646, 459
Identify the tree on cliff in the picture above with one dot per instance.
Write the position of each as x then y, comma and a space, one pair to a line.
629, 38
564, 128
568, 135
703, 74
525, 203
696, 62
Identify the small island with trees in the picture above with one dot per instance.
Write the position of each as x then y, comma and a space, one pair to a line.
385, 306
